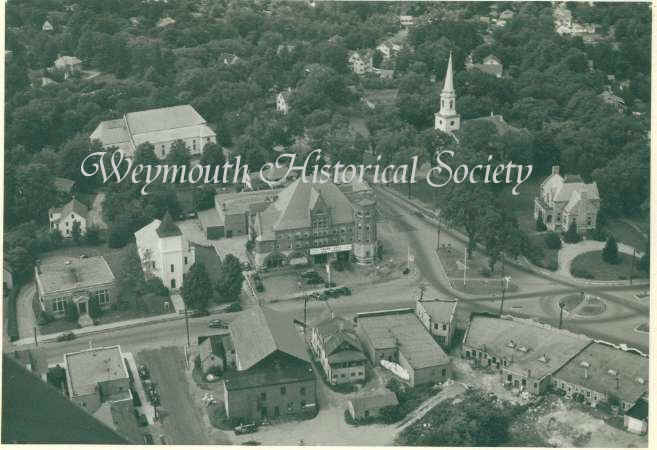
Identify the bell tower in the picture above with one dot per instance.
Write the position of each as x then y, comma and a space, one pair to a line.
447, 119
365, 235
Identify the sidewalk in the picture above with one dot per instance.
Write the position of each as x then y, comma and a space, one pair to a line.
100, 328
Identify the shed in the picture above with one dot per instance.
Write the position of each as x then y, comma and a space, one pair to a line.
370, 406
636, 418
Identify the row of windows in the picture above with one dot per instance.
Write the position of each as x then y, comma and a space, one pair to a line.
263, 395
435, 326
163, 147
353, 374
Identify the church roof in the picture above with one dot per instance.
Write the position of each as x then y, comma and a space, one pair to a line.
167, 228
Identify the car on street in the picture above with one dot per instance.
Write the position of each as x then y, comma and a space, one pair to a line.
66, 336
217, 323
245, 428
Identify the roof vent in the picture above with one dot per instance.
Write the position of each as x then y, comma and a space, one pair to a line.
612, 372
585, 364
511, 344
523, 349
544, 358
640, 380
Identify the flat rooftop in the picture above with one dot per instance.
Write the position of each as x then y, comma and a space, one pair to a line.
527, 345
89, 367
403, 329
599, 366
64, 274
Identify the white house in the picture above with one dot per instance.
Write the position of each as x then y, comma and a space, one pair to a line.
563, 200
389, 49
68, 65
164, 251
406, 21
63, 218
361, 63
47, 26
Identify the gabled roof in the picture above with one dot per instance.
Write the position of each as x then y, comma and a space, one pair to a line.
74, 206
63, 184
639, 410
336, 332
258, 332
167, 228
374, 401
292, 208
448, 86
80, 273
439, 310
163, 119
561, 188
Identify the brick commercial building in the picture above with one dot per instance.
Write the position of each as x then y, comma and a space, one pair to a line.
437, 316
398, 336
274, 378
314, 221
601, 373
339, 351
63, 283
96, 376
525, 353
160, 127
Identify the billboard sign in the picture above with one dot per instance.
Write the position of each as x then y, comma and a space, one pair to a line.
330, 249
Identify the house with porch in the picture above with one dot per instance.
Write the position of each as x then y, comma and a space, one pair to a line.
339, 351
563, 200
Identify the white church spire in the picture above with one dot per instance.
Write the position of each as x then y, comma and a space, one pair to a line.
447, 119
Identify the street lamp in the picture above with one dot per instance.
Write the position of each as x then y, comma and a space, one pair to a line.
562, 305
505, 285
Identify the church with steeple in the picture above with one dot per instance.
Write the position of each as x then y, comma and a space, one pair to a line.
447, 119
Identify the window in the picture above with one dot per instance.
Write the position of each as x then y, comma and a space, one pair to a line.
263, 396
173, 283
535, 385
302, 391
102, 296
283, 390
342, 375
185, 260
72, 216
59, 304
444, 327
451, 122
194, 144
66, 224
588, 393
171, 268
443, 372
435, 326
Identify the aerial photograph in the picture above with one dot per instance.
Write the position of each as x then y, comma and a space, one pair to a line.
308, 222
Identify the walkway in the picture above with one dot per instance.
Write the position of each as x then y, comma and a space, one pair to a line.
96, 212
570, 251
24, 311
146, 407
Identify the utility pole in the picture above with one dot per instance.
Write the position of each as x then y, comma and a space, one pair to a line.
36, 341
561, 306
465, 264
632, 265
187, 326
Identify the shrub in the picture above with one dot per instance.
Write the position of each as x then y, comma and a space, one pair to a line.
571, 235
94, 308
644, 262
598, 234
540, 225
610, 251
72, 314
249, 245
552, 241
581, 273
12, 318
156, 286
92, 236
43, 318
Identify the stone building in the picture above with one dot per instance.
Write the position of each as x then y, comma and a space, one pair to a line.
563, 200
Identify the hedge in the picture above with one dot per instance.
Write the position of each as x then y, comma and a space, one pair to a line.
12, 318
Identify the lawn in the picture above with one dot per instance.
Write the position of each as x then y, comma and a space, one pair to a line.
591, 264
626, 234
522, 205
541, 256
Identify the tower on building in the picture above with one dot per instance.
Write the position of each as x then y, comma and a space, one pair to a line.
447, 119
365, 235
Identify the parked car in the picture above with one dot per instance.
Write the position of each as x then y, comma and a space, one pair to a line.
234, 307
197, 313
148, 439
144, 374
66, 336
246, 428
217, 323
344, 290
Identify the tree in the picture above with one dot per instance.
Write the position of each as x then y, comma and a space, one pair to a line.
72, 313
571, 235
92, 236
644, 262
610, 251
76, 232
204, 198
179, 154
196, 287
540, 225
552, 241
229, 284
21, 262
145, 154
94, 308
213, 155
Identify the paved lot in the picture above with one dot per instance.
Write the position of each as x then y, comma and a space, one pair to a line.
181, 420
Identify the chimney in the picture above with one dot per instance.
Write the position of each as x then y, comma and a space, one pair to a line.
555, 170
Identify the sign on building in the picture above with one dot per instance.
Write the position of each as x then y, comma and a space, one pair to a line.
330, 249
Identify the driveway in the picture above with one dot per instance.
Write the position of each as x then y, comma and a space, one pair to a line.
24, 311
96, 212
570, 251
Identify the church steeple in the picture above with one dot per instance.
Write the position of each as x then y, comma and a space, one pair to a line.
448, 86
447, 119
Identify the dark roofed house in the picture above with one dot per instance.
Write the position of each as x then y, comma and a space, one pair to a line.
340, 353
273, 376
370, 405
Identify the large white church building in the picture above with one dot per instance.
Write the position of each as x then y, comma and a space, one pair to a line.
447, 119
